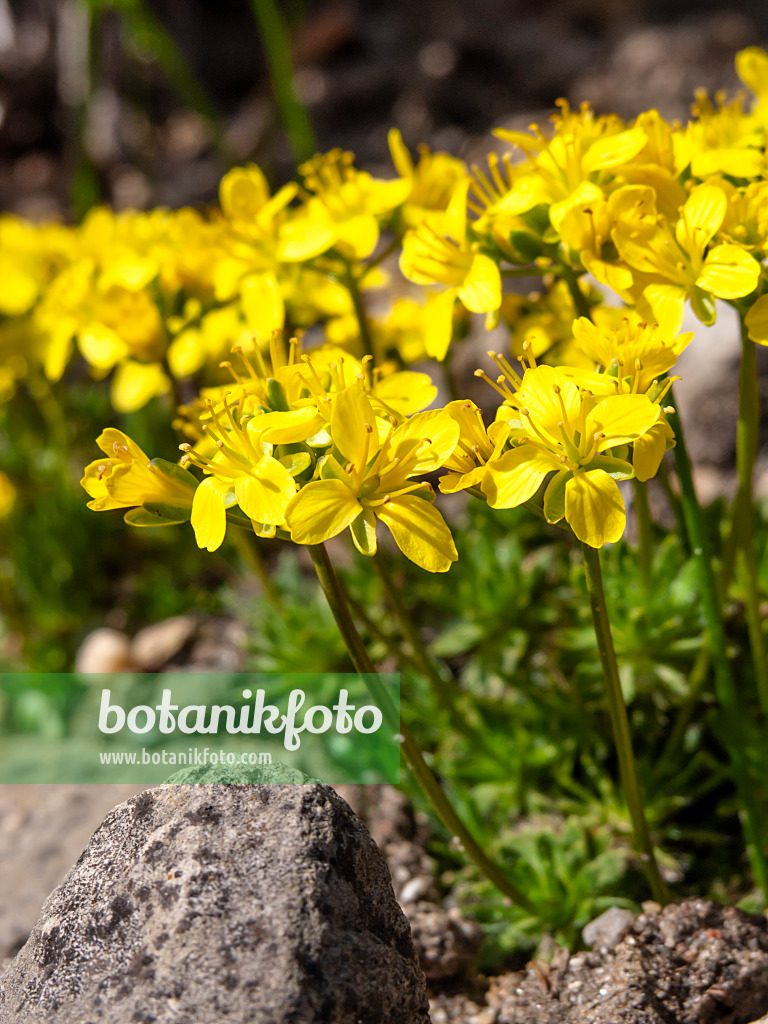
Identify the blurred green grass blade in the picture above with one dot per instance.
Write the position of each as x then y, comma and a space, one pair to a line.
150, 34
277, 47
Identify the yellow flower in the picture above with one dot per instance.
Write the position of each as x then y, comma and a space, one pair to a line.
128, 478
476, 447
432, 180
584, 148
345, 203
7, 495
567, 431
372, 479
242, 471
450, 260
681, 264
620, 341
724, 140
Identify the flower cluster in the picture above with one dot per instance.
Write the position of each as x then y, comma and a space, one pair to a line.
307, 446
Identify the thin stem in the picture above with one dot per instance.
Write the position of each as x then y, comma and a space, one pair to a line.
244, 541
446, 693
578, 297
377, 260
277, 47
337, 602
644, 532
725, 687
620, 723
351, 283
747, 430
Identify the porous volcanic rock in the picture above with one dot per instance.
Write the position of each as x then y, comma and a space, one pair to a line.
694, 962
213, 903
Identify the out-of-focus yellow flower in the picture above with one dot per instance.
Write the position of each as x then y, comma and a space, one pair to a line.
432, 181
541, 322
450, 260
7, 495
622, 344
584, 148
344, 204
724, 140
368, 477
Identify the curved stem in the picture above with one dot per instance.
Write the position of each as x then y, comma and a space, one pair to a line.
351, 283
337, 602
743, 510
424, 662
620, 723
644, 532
578, 297
725, 686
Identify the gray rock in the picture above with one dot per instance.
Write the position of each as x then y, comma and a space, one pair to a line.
203, 904
607, 930
43, 829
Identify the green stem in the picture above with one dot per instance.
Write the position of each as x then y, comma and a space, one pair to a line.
674, 503
578, 297
725, 687
351, 283
620, 723
446, 693
244, 541
337, 602
644, 532
747, 430
278, 51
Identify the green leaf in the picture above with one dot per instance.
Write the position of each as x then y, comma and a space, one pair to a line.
143, 517
364, 533
554, 496
296, 462
616, 468
703, 305
175, 472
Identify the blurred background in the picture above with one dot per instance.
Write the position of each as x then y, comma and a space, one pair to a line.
146, 102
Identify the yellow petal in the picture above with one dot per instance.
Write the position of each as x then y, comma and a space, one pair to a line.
752, 69
351, 412
621, 418
439, 324
612, 150
117, 445
321, 510
264, 495
702, 216
648, 450
420, 532
287, 427
594, 508
262, 304
209, 516
437, 426
757, 321
101, 346
517, 475
481, 290
729, 272
406, 392
134, 384
94, 483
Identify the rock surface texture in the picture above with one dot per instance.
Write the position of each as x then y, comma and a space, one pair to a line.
190, 905
694, 962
